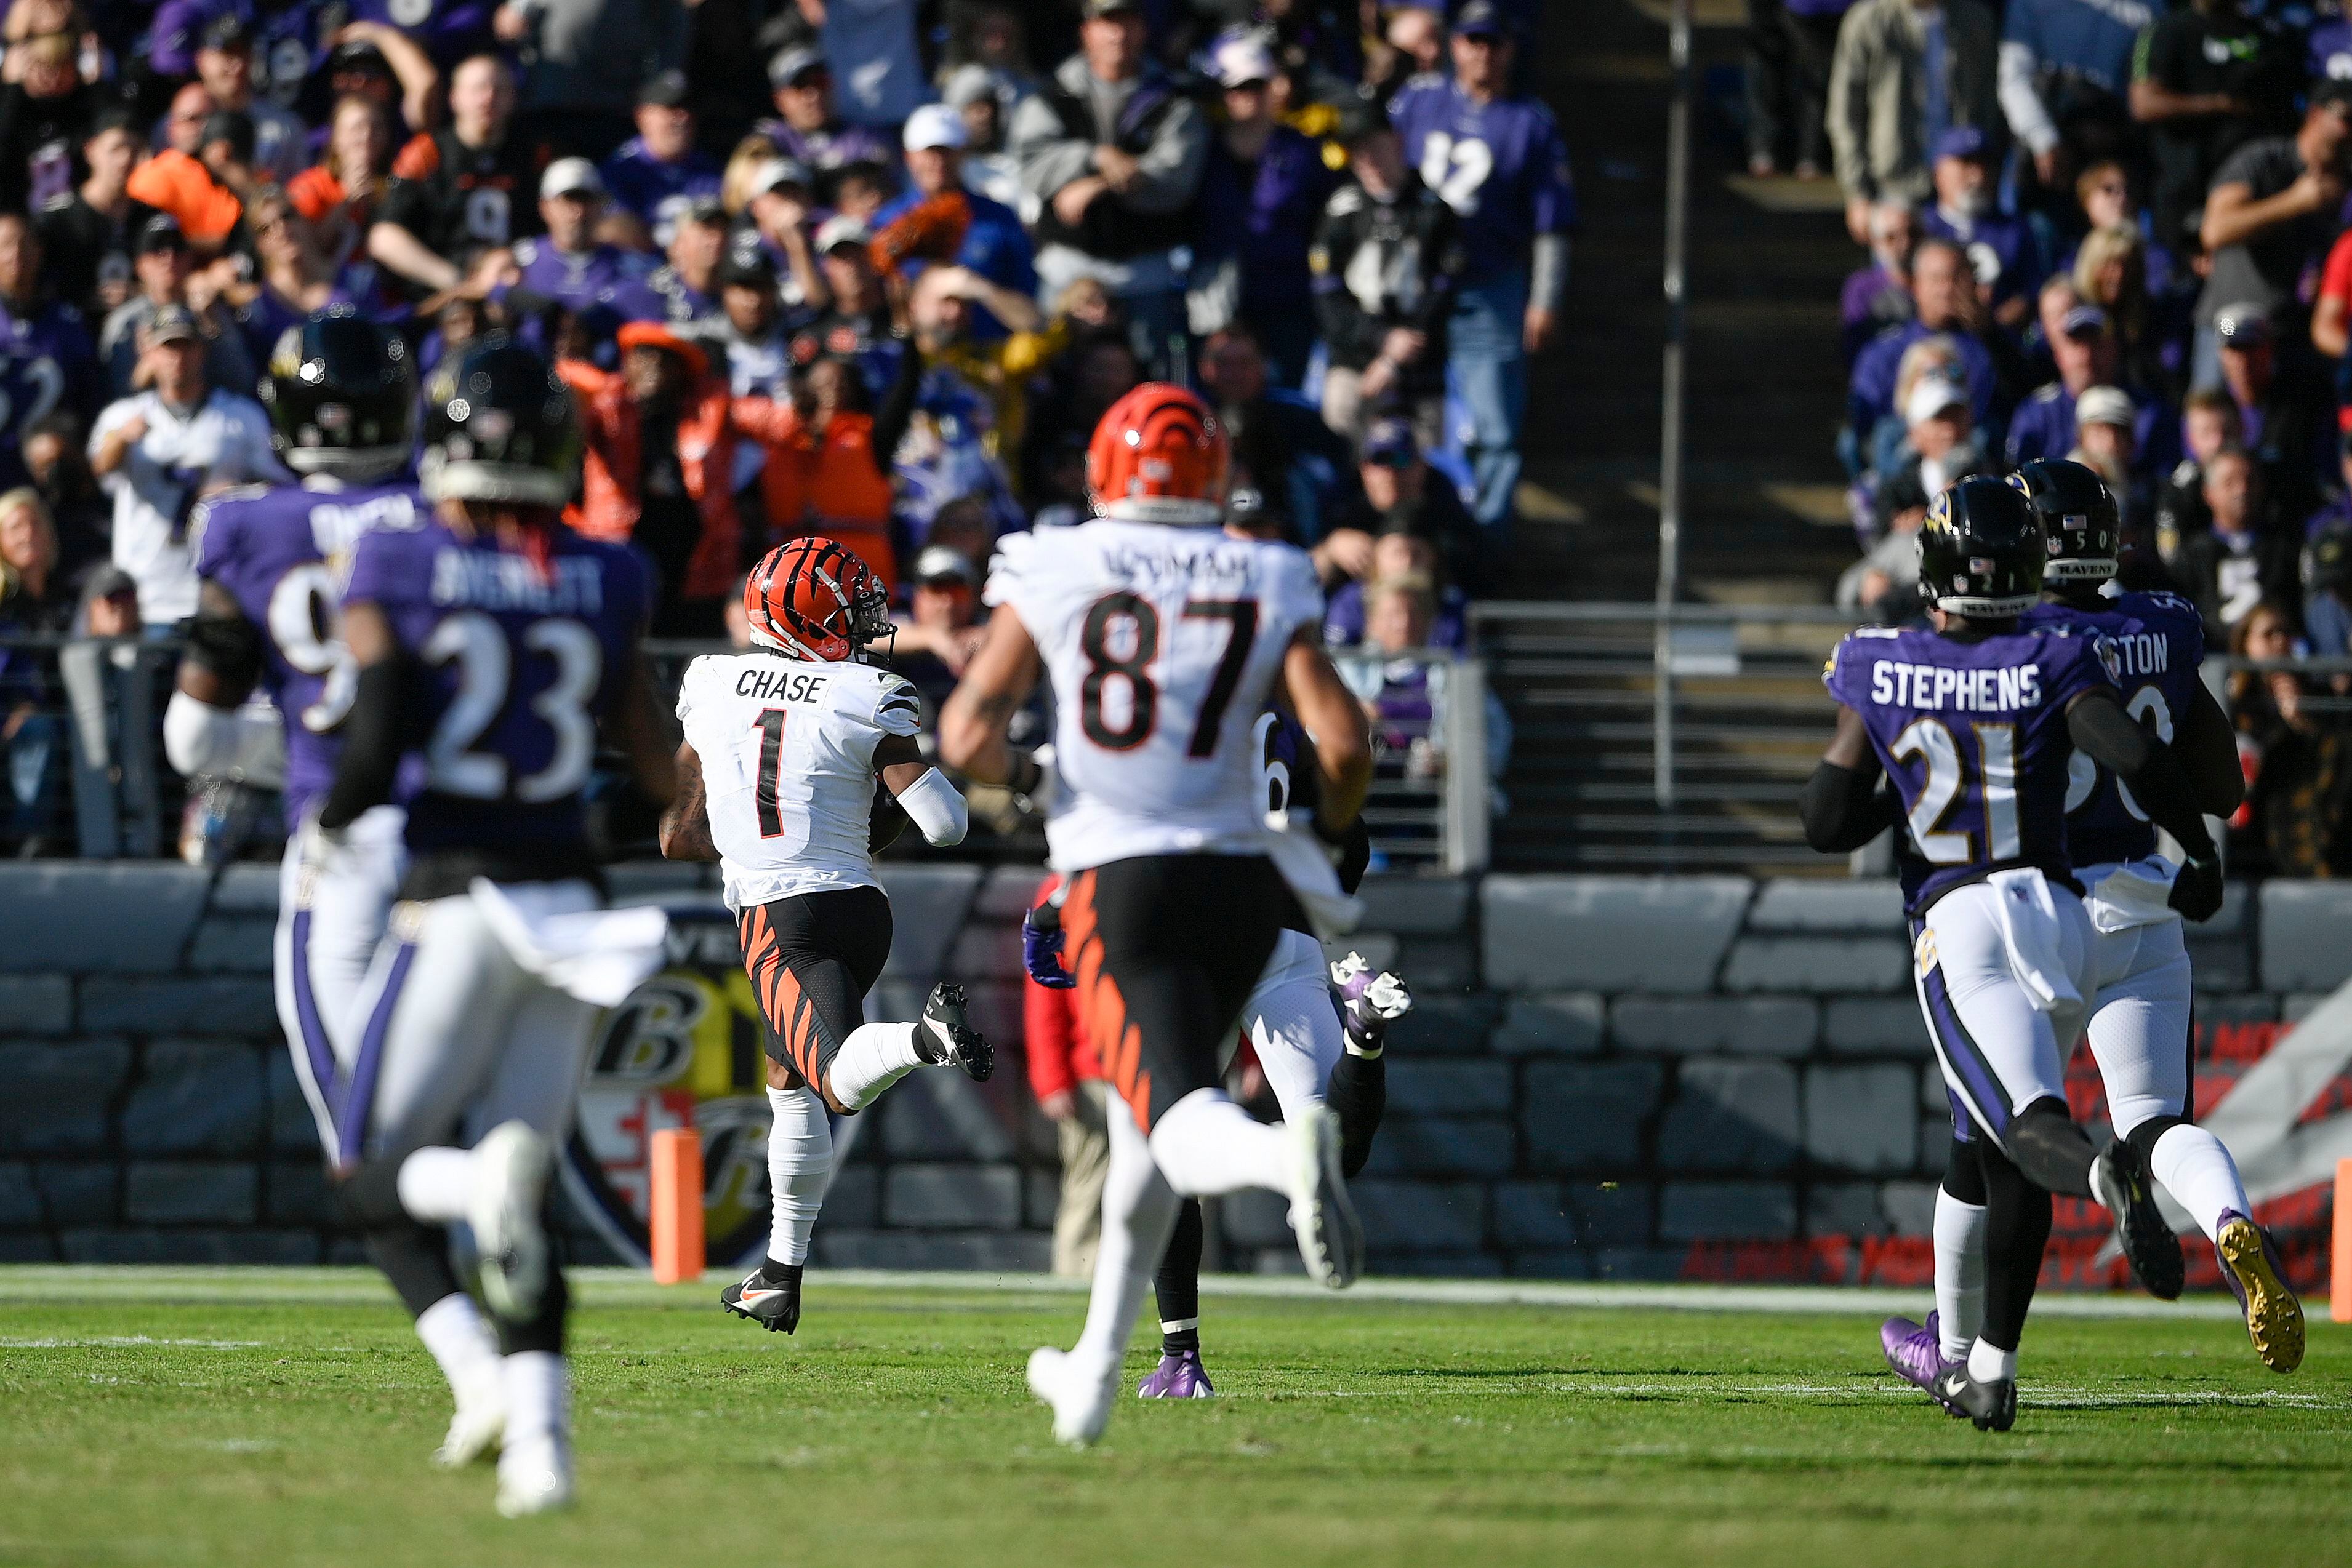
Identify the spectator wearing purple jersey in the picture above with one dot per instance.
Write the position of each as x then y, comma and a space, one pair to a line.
659, 172
809, 130
1905, 72
1498, 162
567, 264
2002, 252
1944, 296
687, 283
46, 343
1261, 198
1879, 296
2086, 356
1115, 155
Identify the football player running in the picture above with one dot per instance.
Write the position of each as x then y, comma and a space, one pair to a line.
492, 644
1311, 1044
1163, 638
342, 403
777, 779
1975, 723
2139, 1016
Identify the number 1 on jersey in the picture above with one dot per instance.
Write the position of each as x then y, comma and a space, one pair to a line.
771, 726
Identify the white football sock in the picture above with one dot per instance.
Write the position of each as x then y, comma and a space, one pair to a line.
1206, 1145
1959, 1273
454, 1330
1987, 1365
538, 1397
1139, 1216
2192, 1165
436, 1186
872, 1058
799, 1161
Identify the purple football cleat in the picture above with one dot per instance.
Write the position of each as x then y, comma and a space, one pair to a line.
1916, 1351
1179, 1377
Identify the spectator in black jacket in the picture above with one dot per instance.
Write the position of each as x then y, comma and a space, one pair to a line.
45, 112
88, 235
2245, 555
1281, 447
2208, 422
1385, 262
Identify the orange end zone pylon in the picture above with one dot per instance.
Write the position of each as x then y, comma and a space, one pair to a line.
676, 1220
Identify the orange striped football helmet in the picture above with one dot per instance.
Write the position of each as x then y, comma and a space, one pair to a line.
814, 600
1159, 457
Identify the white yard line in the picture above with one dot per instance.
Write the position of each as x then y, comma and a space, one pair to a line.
63, 1284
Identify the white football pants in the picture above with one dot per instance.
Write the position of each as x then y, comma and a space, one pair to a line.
1293, 1024
2139, 989
456, 1037
2000, 1052
330, 922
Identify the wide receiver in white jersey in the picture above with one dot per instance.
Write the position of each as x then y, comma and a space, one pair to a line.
776, 782
1163, 638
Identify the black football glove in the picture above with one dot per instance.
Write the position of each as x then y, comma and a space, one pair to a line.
2196, 891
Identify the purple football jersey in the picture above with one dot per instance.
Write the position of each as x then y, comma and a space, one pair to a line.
1974, 736
2155, 642
517, 661
1501, 166
281, 553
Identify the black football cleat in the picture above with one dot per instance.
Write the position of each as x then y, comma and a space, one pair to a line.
1991, 1405
2120, 1177
945, 1037
774, 1304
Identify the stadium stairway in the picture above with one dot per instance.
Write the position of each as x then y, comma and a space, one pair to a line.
1764, 512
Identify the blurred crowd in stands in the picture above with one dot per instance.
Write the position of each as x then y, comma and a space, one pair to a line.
2112, 231
871, 268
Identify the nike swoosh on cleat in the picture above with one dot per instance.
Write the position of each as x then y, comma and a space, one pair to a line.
751, 1298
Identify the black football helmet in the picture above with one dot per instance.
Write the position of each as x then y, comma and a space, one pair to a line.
498, 427
1980, 552
342, 396
2079, 521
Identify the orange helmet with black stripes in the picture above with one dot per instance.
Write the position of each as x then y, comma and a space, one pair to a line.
814, 600
1159, 457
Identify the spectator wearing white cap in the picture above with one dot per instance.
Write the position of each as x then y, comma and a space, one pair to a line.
855, 327
567, 266
659, 172
942, 629
995, 245
1941, 445
1261, 199
1115, 153
2086, 354
809, 127
2104, 440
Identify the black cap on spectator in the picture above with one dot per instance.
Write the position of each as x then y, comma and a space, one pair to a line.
1391, 441
939, 563
114, 117
1479, 19
2332, 92
162, 233
747, 266
228, 32
793, 63
1111, 7
705, 210
1360, 123
232, 126
358, 56
108, 582
664, 89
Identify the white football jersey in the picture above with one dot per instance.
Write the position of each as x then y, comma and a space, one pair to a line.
1162, 643
787, 749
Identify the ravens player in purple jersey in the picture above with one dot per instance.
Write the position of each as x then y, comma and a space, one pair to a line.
1974, 723
2139, 1010
271, 560
492, 645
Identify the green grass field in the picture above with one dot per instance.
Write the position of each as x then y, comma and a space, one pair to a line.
269, 1418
